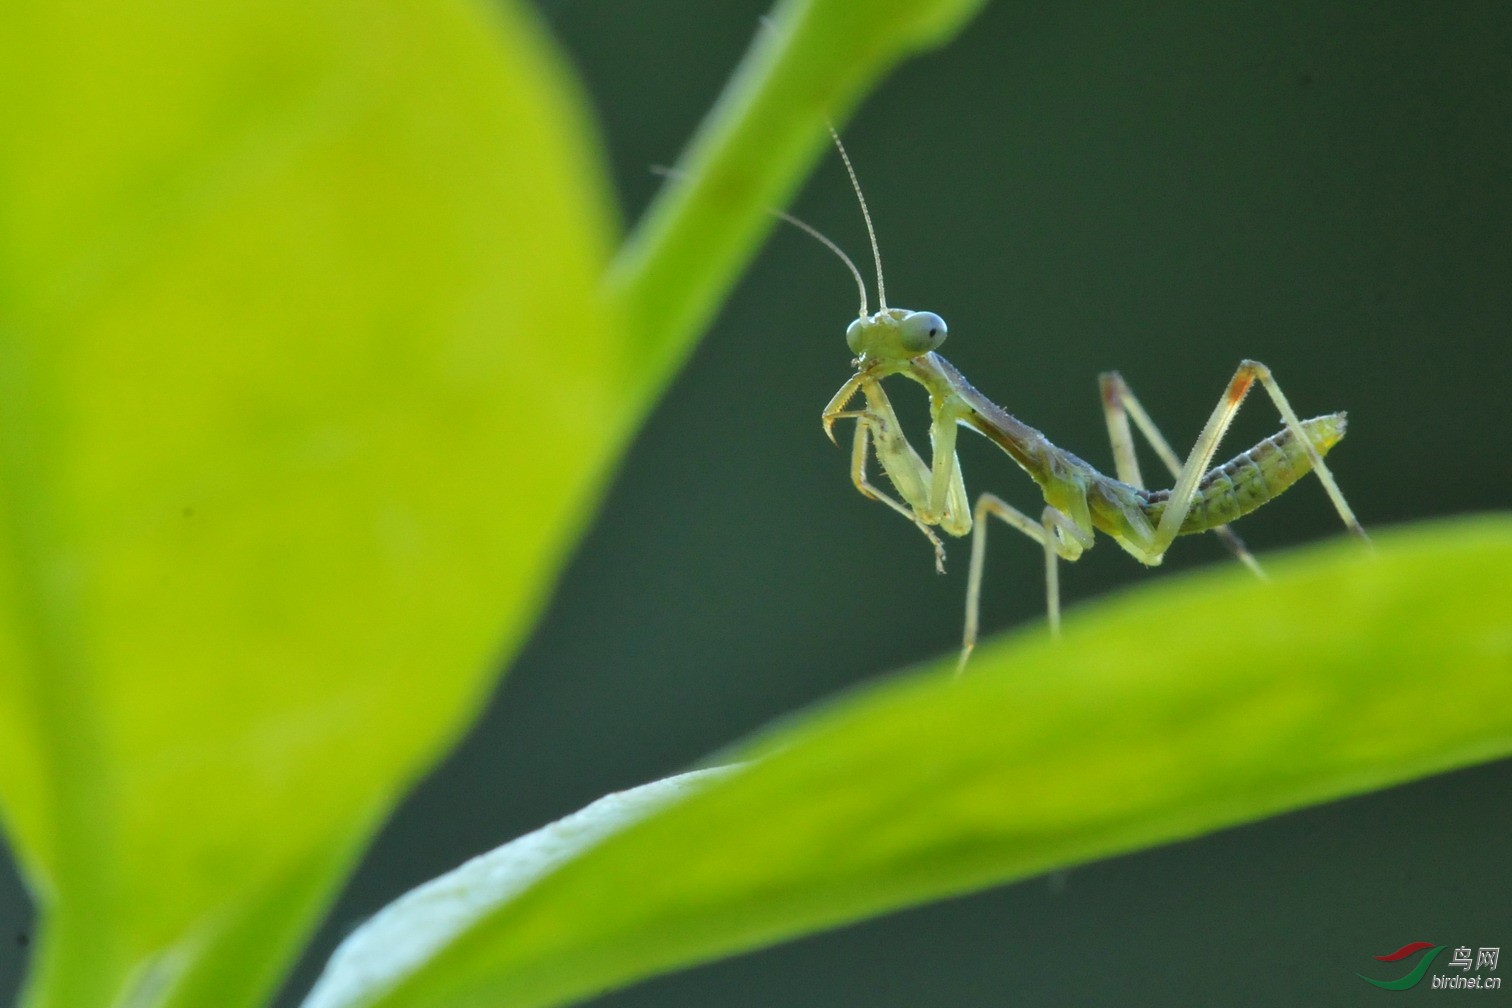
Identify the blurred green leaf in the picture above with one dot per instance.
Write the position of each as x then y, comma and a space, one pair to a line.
1186, 706
306, 387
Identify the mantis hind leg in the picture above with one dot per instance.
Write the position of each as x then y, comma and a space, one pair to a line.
1185, 491
1319, 468
1119, 405
1060, 537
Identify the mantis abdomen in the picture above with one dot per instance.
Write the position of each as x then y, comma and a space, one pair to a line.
1251, 478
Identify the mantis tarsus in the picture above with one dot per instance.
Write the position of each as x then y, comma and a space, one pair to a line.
1079, 499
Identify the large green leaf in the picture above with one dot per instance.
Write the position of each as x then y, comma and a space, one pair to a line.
306, 381
305, 389
1174, 710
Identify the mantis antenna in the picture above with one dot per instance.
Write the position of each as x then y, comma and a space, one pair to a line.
871, 232
806, 228
815, 233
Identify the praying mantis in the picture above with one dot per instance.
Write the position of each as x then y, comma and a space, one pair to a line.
1079, 499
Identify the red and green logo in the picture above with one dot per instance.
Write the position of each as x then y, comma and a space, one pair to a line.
1415, 976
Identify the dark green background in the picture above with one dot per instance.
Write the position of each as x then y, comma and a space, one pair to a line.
1162, 188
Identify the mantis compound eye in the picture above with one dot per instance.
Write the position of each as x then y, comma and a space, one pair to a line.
922, 331
853, 335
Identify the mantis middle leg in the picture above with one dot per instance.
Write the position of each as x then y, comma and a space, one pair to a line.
1060, 537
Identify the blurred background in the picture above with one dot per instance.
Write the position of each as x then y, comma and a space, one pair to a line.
1162, 188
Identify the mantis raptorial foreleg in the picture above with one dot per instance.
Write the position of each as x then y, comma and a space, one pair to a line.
947, 487
867, 425
879, 431
1119, 404
1185, 491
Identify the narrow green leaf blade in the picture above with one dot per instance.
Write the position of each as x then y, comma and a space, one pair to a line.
1174, 710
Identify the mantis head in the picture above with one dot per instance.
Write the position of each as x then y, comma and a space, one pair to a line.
895, 334
890, 334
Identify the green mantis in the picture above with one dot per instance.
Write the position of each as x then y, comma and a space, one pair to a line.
1079, 500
